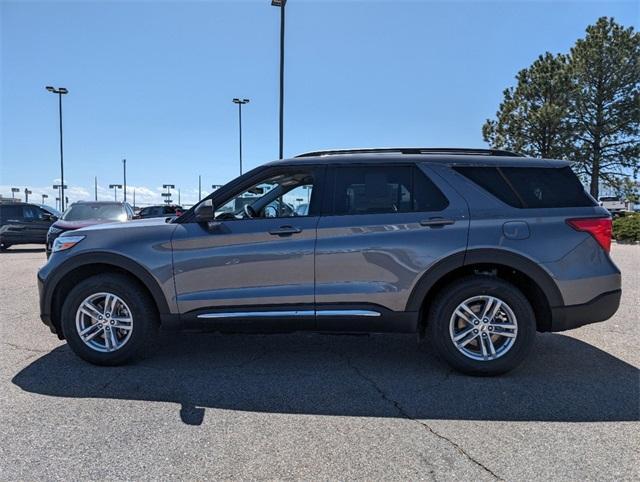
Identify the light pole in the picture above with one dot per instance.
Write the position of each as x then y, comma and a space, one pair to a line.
281, 4
124, 168
95, 188
115, 188
240, 103
199, 187
26, 194
14, 190
44, 196
60, 188
167, 195
57, 203
60, 91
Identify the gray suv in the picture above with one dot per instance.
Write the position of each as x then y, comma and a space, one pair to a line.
474, 250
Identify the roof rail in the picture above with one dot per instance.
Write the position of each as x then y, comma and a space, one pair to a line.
414, 150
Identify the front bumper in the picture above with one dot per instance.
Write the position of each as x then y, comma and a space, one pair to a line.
600, 308
45, 315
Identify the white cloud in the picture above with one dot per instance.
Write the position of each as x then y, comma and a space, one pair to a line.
144, 195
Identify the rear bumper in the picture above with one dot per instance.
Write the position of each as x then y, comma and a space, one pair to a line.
600, 308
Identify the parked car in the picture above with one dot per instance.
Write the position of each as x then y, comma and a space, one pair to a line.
24, 223
159, 211
613, 204
87, 213
475, 250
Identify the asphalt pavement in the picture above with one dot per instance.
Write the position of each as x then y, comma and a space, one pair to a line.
305, 406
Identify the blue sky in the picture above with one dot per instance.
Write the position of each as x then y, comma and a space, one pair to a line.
153, 81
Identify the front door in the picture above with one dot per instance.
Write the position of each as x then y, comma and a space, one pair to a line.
255, 261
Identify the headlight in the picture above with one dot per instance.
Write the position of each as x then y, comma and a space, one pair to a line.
65, 242
53, 230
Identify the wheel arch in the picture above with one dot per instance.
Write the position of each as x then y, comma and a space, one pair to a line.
536, 283
82, 267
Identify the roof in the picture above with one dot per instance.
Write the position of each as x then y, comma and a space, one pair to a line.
447, 156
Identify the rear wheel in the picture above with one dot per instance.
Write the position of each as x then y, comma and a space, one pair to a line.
108, 319
482, 325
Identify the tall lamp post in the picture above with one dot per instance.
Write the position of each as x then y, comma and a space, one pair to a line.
44, 196
60, 188
240, 103
60, 91
281, 4
26, 194
167, 195
14, 190
115, 188
124, 169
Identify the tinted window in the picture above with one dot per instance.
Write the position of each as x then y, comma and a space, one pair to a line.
31, 213
491, 180
13, 213
531, 187
384, 189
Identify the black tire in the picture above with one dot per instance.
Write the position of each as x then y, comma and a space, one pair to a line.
451, 296
4, 246
143, 312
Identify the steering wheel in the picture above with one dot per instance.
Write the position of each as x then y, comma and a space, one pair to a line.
249, 211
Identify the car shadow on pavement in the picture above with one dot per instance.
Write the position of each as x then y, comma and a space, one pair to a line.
564, 379
16, 250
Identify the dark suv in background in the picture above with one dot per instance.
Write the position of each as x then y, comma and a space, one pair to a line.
24, 223
87, 213
475, 250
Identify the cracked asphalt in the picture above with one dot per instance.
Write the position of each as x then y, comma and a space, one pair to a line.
306, 406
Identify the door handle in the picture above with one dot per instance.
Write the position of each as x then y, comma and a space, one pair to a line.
285, 230
436, 222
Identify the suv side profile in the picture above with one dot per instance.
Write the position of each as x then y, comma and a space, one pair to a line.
24, 223
475, 250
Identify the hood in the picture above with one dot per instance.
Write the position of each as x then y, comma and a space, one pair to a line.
136, 223
69, 225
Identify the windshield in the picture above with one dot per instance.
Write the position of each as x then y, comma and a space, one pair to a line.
99, 212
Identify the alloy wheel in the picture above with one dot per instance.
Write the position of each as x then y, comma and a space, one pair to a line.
104, 322
483, 328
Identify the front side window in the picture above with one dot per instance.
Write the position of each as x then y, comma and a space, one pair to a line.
384, 189
280, 196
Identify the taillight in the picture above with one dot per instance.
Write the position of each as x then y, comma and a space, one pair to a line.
599, 228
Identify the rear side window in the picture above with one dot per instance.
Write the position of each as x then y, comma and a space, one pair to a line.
11, 213
531, 187
384, 189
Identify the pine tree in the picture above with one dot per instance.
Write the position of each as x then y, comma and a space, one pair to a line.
605, 103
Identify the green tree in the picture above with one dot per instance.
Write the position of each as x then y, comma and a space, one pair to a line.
533, 116
605, 103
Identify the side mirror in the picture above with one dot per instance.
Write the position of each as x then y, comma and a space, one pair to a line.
204, 212
48, 217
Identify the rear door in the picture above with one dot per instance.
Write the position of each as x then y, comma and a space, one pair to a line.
12, 226
383, 227
36, 226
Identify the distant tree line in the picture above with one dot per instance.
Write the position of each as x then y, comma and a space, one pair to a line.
583, 106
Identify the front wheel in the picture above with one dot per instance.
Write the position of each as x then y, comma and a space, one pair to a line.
108, 319
482, 325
